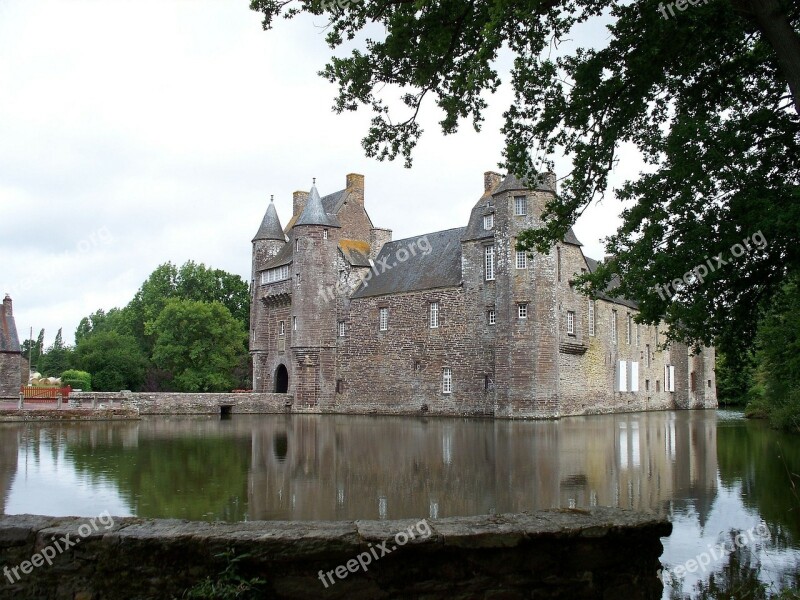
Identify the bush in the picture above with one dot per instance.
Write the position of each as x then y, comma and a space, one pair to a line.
80, 380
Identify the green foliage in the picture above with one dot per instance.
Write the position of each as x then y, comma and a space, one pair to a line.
199, 343
229, 584
708, 96
56, 359
115, 360
80, 380
734, 378
33, 350
777, 383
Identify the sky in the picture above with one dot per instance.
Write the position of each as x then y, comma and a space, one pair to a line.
133, 133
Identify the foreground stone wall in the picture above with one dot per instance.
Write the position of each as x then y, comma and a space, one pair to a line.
600, 553
174, 403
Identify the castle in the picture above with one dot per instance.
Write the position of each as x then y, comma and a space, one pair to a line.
10, 355
451, 322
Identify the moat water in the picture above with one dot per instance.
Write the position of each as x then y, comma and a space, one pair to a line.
712, 473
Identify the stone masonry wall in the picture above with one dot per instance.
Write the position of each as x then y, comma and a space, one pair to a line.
174, 403
600, 553
9, 374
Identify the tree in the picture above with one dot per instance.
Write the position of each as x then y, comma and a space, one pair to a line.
709, 94
115, 361
56, 359
200, 343
33, 350
99, 321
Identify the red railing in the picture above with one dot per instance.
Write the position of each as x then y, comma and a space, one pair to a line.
43, 395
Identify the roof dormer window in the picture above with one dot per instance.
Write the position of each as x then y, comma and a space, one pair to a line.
488, 221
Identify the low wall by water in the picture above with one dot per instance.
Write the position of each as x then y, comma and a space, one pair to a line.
599, 553
175, 403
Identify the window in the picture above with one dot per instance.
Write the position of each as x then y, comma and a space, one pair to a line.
282, 328
522, 311
297, 244
276, 274
520, 206
324, 234
591, 317
646, 385
447, 380
669, 378
339, 386
622, 376
638, 336
383, 319
522, 259
341, 329
628, 328
488, 221
434, 315
489, 253
294, 323
634, 387
709, 383
298, 280
488, 383
491, 316
613, 327
647, 351
658, 385
570, 322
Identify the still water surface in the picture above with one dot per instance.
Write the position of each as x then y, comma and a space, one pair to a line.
712, 473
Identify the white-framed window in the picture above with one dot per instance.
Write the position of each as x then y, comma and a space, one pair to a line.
383, 319
488, 221
591, 318
570, 322
520, 206
522, 259
341, 329
491, 316
613, 326
282, 328
447, 380
434, 315
634, 387
297, 284
522, 311
276, 274
669, 378
324, 234
489, 262
294, 323
622, 376
629, 328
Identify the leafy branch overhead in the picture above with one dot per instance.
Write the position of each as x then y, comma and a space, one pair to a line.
709, 94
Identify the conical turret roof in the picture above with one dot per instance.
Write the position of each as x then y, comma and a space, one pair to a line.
271, 228
314, 212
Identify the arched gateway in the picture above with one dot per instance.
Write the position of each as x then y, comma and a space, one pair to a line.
281, 380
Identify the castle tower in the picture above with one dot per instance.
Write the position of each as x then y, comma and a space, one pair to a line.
9, 352
315, 236
268, 241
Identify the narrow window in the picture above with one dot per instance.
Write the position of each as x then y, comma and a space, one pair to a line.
638, 336
489, 252
646, 385
693, 381
520, 206
491, 316
570, 322
383, 319
341, 329
339, 386
297, 244
613, 326
294, 323
298, 280
647, 351
658, 385
488, 383
628, 328
709, 383
434, 315
324, 234
522, 311
558, 262
447, 380
522, 259
591, 317
488, 221
282, 328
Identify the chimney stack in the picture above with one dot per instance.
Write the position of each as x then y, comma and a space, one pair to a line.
7, 306
490, 181
299, 202
355, 186
549, 180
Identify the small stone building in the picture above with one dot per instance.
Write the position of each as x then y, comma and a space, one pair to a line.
450, 322
10, 355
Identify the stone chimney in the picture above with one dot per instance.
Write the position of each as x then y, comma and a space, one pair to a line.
7, 306
299, 202
549, 180
490, 181
355, 185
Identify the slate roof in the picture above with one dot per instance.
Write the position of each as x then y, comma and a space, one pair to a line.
439, 268
314, 213
612, 285
355, 252
283, 257
270, 225
9, 340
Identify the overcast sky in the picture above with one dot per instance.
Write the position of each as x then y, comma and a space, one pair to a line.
135, 133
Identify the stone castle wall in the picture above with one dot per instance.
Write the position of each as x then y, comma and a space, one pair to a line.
10, 376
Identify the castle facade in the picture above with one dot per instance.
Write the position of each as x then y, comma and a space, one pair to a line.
457, 322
